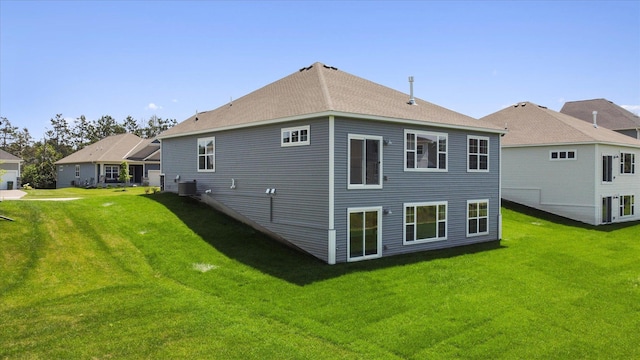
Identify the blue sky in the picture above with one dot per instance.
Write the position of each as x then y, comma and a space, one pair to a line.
170, 58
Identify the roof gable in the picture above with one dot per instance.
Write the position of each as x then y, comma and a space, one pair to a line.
529, 124
610, 115
321, 89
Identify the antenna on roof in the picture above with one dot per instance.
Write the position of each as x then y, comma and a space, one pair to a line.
595, 116
412, 100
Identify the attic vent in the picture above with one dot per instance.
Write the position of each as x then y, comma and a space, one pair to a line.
330, 67
542, 107
306, 68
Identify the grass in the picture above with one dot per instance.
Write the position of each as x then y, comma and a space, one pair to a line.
162, 276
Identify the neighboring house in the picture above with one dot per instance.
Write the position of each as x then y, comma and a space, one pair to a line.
98, 164
560, 164
341, 167
11, 165
607, 114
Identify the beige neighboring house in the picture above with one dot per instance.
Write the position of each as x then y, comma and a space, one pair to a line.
99, 163
607, 114
566, 166
11, 169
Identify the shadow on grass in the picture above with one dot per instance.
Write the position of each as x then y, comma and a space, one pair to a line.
252, 248
560, 220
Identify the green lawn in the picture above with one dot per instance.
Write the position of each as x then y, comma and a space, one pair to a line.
163, 277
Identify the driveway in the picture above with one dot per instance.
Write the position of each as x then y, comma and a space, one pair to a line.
11, 194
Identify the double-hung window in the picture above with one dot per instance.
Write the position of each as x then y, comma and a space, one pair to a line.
478, 153
424, 222
365, 162
477, 217
627, 163
425, 151
294, 136
207, 154
77, 171
627, 205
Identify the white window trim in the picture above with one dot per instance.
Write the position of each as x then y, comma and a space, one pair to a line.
77, 171
575, 155
299, 142
621, 206
469, 137
429, 133
212, 138
111, 172
467, 217
380, 177
379, 237
417, 204
633, 164
613, 169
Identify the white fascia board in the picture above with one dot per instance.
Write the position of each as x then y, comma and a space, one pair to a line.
336, 114
572, 144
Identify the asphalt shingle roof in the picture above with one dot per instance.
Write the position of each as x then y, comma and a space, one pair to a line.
5, 156
112, 148
610, 115
531, 124
321, 89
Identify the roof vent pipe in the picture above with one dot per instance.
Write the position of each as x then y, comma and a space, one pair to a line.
595, 116
412, 100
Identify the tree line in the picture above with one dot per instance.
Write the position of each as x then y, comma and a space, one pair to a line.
65, 138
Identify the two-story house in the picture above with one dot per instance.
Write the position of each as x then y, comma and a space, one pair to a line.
566, 166
341, 167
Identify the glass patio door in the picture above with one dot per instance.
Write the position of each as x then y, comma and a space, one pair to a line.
364, 225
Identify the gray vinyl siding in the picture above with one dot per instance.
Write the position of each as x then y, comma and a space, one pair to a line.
9, 166
630, 132
257, 162
455, 186
68, 175
300, 175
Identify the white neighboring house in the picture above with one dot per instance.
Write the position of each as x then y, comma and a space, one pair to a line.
11, 166
566, 166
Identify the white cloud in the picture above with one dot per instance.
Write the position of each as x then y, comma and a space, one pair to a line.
174, 100
153, 106
633, 108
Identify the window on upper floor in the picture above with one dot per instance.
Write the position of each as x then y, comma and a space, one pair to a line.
424, 222
477, 217
294, 136
207, 154
478, 153
425, 151
627, 205
607, 168
627, 163
562, 155
365, 162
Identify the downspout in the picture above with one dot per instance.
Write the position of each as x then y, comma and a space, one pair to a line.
331, 236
